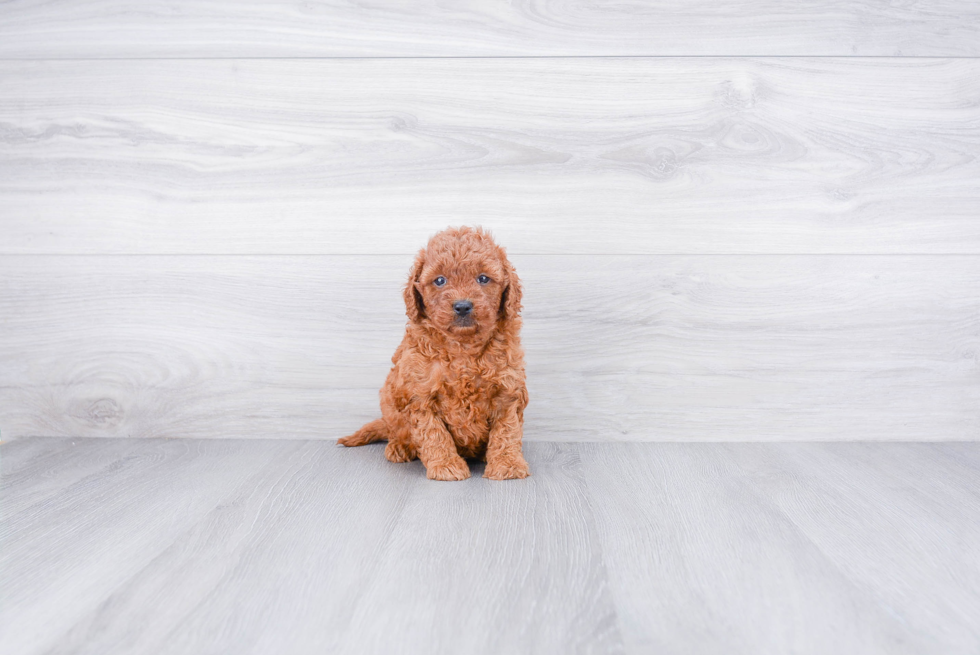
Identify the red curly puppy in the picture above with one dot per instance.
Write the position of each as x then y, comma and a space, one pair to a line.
457, 385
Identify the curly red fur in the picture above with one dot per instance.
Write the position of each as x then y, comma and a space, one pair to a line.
456, 388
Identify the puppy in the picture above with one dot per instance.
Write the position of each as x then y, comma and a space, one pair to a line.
457, 385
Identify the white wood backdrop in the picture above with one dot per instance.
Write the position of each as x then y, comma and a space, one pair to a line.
741, 347
195, 219
425, 28
595, 155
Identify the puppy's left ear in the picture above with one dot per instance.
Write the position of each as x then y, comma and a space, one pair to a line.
414, 305
510, 299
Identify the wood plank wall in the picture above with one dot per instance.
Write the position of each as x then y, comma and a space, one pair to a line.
735, 221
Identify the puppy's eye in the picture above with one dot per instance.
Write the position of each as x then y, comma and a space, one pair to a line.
439, 281
483, 279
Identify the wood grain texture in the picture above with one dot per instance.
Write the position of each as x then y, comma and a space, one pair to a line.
68, 549
778, 548
530, 574
310, 552
730, 348
277, 566
185, 28
559, 156
269, 546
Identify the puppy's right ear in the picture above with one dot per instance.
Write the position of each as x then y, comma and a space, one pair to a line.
414, 305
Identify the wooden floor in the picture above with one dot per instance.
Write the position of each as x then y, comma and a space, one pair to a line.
293, 546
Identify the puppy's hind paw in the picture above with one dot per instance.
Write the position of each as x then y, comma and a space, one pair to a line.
399, 453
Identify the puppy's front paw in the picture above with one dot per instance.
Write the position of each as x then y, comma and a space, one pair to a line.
454, 469
507, 467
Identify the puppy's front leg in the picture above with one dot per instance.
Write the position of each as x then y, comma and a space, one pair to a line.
505, 461
436, 448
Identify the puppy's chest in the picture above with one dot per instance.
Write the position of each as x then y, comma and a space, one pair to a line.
464, 396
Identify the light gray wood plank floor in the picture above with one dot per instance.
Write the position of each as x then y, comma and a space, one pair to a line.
266, 28
160, 546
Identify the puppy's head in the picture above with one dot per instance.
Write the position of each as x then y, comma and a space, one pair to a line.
463, 285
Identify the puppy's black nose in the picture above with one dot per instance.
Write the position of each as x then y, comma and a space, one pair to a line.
462, 307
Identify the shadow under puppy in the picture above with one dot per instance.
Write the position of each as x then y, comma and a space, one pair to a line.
457, 386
